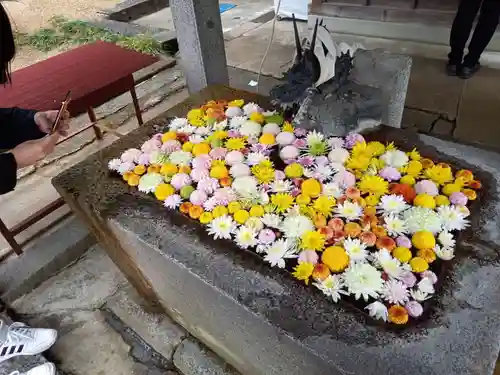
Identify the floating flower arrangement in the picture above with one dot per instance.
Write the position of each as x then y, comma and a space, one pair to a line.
362, 221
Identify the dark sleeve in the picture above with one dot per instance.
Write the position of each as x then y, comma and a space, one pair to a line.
8, 177
17, 126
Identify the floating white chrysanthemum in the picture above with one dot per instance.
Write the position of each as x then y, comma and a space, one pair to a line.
422, 219
202, 130
254, 158
390, 265
395, 292
338, 155
314, 137
452, 218
114, 164
395, 226
237, 121
377, 310
233, 111
180, 157
221, 227
363, 280
281, 186
173, 201
245, 185
444, 253
149, 182
355, 249
126, 167
158, 158
250, 129
392, 204
222, 125
331, 287
418, 295
278, 252
446, 239
240, 170
188, 129
245, 237
349, 210
294, 226
177, 123
272, 220
250, 108
196, 138
255, 223
332, 189
425, 285
320, 172
394, 158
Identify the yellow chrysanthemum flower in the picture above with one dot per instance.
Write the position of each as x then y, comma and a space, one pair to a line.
264, 172
336, 258
267, 139
390, 147
233, 207
168, 136
408, 180
241, 216
219, 171
206, 217
439, 174
219, 134
168, 169
312, 240
257, 117
282, 201
287, 127
294, 170
257, 211
235, 144
311, 187
374, 185
442, 200
140, 170
236, 103
376, 148
324, 205
201, 149
449, 189
163, 191
361, 162
414, 154
303, 271
219, 211
303, 199
413, 168
187, 147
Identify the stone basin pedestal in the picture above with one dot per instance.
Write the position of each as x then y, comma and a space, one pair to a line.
261, 320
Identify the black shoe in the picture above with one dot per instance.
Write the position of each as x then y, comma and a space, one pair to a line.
452, 69
469, 71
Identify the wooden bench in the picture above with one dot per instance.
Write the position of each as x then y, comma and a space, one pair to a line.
95, 73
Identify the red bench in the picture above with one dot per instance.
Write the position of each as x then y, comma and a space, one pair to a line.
95, 73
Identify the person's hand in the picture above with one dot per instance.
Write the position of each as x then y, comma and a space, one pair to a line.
45, 121
30, 152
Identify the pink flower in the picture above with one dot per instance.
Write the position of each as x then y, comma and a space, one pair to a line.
458, 198
300, 132
234, 157
202, 162
225, 195
285, 138
335, 142
131, 155
198, 197
353, 138
173, 201
426, 187
289, 152
408, 278
295, 192
390, 174
233, 134
218, 153
344, 179
279, 175
306, 161
300, 143
403, 241
414, 309
210, 204
266, 236
151, 145
144, 159
429, 275
198, 174
171, 146
308, 256
252, 140
158, 136
321, 160
180, 180
208, 185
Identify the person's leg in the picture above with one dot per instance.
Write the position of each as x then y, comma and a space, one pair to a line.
460, 30
485, 28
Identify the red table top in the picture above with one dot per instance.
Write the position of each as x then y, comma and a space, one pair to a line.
83, 70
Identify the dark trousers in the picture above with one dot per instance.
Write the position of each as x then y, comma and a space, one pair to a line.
462, 26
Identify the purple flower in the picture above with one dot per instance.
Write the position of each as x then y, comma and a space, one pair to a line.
299, 132
322, 160
208, 185
225, 195
171, 146
198, 197
259, 147
151, 145
295, 191
131, 155
289, 152
210, 204
429, 275
285, 138
233, 134
308, 256
198, 174
344, 179
173, 201
353, 138
408, 278
234, 157
335, 142
144, 159
202, 162
218, 153
458, 198
426, 187
279, 175
300, 143
390, 174
414, 309
266, 236
306, 161
403, 241
180, 180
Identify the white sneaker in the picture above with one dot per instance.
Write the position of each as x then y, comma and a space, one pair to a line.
23, 340
45, 369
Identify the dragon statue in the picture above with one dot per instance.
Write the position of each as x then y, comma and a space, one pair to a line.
319, 91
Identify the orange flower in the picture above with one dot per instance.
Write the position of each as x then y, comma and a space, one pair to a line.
336, 224
195, 211
427, 254
319, 221
327, 232
185, 169
369, 220
133, 180
127, 175
226, 181
184, 208
469, 193
465, 174
385, 243
341, 199
398, 314
216, 113
444, 165
474, 184
352, 229
405, 190
154, 169
370, 211
352, 193
379, 231
368, 238
427, 163
320, 272
338, 235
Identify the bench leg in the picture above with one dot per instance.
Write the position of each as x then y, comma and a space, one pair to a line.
138, 112
10, 238
93, 119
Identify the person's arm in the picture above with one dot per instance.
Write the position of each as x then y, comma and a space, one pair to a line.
8, 166
17, 126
